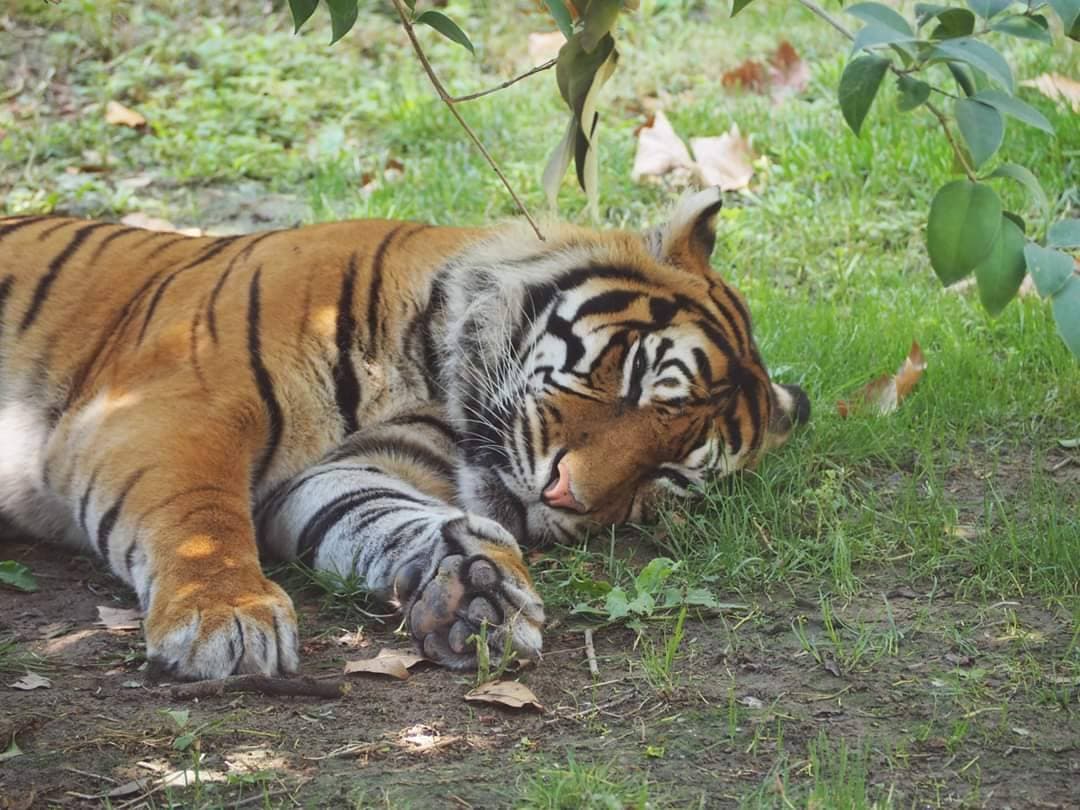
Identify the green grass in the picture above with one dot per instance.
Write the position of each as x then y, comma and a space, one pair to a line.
954, 490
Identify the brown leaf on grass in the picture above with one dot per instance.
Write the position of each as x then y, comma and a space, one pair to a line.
659, 149
139, 220
393, 663
887, 392
543, 47
119, 115
725, 161
514, 694
31, 681
784, 75
1057, 87
118, 619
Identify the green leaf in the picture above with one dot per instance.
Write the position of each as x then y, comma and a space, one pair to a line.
1016, 219
964, 221
301, 12
447, 27
872, 35
643, 604
1065, 233
600, 16
616, 604
12, 751
1024, 177
913, 93
178, 716
561, 15
988, 8
701, 597
1049, 269
882, 15
1069, 12
924, 12
342, 18
954, 22
17, 575
1025, 26
858, 86
558, 163
1067, 314
1012, 106
977, 54
1000, 274
183, 742
962, 77
652, 576
982, 127
739, 5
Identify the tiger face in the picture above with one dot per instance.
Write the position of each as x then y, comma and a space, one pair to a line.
628, 373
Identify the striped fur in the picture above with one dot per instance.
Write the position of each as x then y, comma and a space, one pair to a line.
403, 402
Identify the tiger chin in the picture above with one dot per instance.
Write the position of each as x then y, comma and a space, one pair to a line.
405, 403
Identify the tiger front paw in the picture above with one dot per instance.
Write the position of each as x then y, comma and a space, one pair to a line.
483, 581
230, 625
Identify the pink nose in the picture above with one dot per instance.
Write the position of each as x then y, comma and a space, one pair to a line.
558, 495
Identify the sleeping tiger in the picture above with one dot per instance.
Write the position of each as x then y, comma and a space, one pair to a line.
406, 403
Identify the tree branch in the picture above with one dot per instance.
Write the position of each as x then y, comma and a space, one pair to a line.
539, 68
839, 26
450, 101
276, 687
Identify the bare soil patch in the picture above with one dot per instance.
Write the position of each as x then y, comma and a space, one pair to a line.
942, 703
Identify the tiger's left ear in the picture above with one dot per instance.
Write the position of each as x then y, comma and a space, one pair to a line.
687, 239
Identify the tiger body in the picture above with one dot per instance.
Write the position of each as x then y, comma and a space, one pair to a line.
407, 403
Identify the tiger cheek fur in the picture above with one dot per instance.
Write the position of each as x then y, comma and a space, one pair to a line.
403, 403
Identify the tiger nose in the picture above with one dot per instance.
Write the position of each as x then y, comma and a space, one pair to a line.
558, 494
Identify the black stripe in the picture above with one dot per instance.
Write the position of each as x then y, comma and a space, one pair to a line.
123, 231
84, 503
10, 227
193, 345
432, 357
165, 245
211, 313
402, 447
214, 249
607, 303
263, 380
108, 520
333, 512
5, 291
62, 223
375, 289
346, 385
438, 425
269, 505
41, 292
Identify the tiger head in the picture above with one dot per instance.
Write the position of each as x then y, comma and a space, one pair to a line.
597, 372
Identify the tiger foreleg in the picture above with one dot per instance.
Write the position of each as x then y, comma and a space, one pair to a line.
171, 516
450, 573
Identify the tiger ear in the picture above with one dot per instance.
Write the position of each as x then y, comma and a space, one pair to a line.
687, 239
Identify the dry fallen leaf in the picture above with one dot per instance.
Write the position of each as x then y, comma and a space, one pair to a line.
543, 47
118, 619
119, 115
514, 694
138, 220
395, 663
887, 392
785, 74
31, 681
659, 149
725, 161
1057, 87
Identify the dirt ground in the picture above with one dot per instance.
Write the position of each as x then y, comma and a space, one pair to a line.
945, 704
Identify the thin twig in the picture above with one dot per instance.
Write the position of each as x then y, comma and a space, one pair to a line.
550, 63
839, 26
590, 654
952, 141
449, 101
278, 687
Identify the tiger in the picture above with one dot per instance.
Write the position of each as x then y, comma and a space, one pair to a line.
409, 404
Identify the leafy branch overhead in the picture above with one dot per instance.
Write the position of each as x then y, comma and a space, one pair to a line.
941, 59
